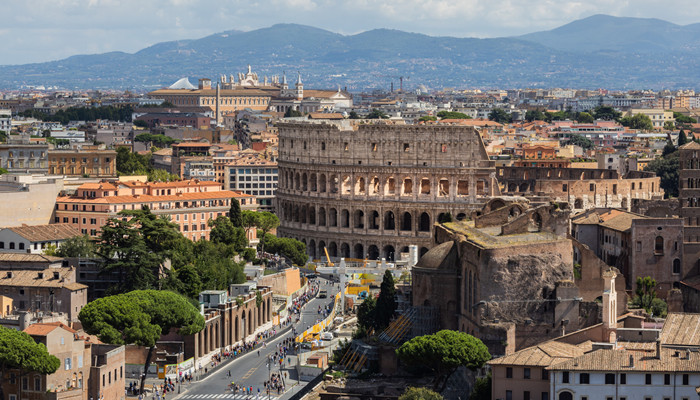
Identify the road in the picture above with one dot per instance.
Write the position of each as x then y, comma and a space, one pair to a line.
251, 369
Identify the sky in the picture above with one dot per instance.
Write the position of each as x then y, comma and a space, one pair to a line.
44, 30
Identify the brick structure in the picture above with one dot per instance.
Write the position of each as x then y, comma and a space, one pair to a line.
689, 198
89, 160
369, 190
582, 188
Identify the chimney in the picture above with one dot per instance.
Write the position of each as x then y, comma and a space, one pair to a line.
609, 307
658, 349
631, 361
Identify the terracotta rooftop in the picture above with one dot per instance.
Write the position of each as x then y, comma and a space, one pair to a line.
44, 233
619, 361
32, 278
145, 198
681, 329
544, 354
43, 329
28, 258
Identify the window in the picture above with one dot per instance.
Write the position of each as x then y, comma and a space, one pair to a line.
37, 384
406, 147
67, 362
685, 379
509, 372
676, 266
609, 379
592, 187
565, 377
526, 373
659, 245
647, 379
564, 187
545, 375
545, 396
509, 395
25, 383
21, 246
667, 379
584, 378
526, 395
623, 379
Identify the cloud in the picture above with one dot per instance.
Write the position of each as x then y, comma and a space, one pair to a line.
41, 30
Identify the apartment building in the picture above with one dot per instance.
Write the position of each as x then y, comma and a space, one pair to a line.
256, 176
658, 116
190, 204
21, 154
35, 239
84, 161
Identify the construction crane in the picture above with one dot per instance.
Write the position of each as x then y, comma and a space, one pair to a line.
330, 264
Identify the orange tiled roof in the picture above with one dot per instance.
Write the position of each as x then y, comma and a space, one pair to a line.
43, 329
42, 233
145, 198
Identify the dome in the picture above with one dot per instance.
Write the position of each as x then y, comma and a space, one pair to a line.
183, 83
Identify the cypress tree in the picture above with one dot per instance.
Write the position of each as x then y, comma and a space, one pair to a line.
234, 213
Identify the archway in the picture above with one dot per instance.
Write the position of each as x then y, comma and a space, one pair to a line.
424, 222
312, 248
537, 221
334, 184
566, 396
389, 253
345, 219
236, 329
359, 251
390, 187
360, 185
406, 221
359, 219
322, 183
578, 203
321, 248
314, 182
345, 250
347, 185
333, 249
304, 182
332, 217
312, 215
373, 222
251, 329
322, 216
461, 216
374, 186
407, 186
373, 252
389, 222
303, 214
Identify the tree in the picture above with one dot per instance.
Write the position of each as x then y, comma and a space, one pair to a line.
234, 213
366, 314
669, 126
442, 353
413, 393
638, 121
426, 118
452, 115
161, 175
499, 115
683, 119
682, 138
249, 219
129, 163
607, 113
290, 113
584, 118
19, 351
141, 123
645, 292
266, 222
353, 115
3, 171
77, 246
293, 249
482, 389
386, 302
224, 232
377, 114
666, 167
140, 317
188, 281
581, 141
532, 115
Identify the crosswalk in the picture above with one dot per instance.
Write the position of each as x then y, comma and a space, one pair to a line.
226, 396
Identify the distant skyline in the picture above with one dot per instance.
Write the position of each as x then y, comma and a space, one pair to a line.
44, 30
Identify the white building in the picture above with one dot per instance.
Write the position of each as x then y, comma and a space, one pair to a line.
658, 116
253, 175
35, 239
5, 121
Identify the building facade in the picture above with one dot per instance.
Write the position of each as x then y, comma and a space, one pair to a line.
189, 204
371, 190
255, 176
86, 161
24, 156
35, 239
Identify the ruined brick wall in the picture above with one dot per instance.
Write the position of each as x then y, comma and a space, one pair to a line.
591, 282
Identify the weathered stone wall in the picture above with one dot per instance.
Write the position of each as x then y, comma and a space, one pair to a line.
372, 190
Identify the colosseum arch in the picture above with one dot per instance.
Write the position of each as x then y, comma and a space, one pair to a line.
390, 187
304, 182
374, 189
303, 214
373, 220
311, 248
425, 186
461, 216
313, 183
444, 187
333, 249
345, 250
332, 217
297, 181
462, 188
424, 222
322, 216
295, 213
359, 251
321, 248
322, 183
389, 221
347, 185
344, 219
333, 183
312, 215
359, 218
360, 185
373, 252
407, 188
406, 222
536, 219
524, 187
389, 253
578, 203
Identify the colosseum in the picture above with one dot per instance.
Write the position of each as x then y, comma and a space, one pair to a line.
369, 190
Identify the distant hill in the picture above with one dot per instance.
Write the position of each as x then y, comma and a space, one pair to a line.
605, 33
598, 51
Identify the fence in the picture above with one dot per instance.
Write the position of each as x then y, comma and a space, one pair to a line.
319, 327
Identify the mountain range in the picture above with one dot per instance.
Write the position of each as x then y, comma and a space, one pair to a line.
598, 51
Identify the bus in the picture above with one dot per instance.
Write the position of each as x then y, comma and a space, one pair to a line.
322, 294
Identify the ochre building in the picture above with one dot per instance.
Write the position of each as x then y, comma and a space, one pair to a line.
369, 190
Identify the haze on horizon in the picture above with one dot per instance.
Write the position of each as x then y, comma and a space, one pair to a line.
45, 30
